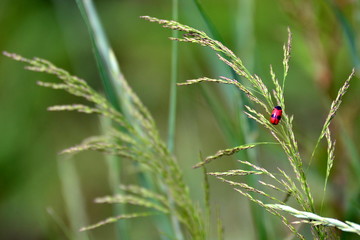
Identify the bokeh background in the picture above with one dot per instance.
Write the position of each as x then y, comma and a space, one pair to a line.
324, 50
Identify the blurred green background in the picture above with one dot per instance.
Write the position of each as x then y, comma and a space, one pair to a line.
325, 34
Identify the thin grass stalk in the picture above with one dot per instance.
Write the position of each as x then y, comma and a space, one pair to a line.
245, 125
67, 234
74, 201
206, 192
114, 162
220, 229
173, 81
70, 182
172, 110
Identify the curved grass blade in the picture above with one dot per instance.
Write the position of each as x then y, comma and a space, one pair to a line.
119, 95
110, 73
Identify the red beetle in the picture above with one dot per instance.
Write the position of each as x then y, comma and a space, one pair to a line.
276, 115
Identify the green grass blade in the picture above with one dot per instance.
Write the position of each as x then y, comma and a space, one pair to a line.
121, 97
212, 29
244, 124
219, 111
110, 76
172, 109
348, 33
74, 202
352, 150
244, 31
237, 101
220, 229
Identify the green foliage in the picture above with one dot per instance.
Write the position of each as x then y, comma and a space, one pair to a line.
140, 142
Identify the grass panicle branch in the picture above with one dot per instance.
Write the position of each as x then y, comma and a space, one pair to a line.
133, 200
271, 211
333, 109
287, 51
331, 156
228, 152
115, 219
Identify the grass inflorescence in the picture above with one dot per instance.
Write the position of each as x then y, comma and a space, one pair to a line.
260, 95
140, 143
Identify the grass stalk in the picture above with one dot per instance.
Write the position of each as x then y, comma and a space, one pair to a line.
173, 80
172, 112
71, 191
114, 163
